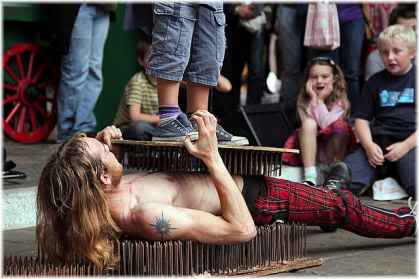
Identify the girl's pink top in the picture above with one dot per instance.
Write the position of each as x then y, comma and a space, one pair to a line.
323, 116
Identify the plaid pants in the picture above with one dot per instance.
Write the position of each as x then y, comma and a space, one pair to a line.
319, 206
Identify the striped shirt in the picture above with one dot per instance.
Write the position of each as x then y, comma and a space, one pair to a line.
138, 91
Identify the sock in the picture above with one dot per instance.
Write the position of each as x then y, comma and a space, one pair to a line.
168, 113
310, 174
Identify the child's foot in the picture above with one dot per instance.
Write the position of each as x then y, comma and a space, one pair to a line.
175, 130
225, 138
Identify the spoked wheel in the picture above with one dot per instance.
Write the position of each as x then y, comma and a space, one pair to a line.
30, 83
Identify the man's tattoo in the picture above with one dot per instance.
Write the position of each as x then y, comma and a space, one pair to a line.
162, 226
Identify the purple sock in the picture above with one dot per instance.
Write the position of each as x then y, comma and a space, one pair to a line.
168, 113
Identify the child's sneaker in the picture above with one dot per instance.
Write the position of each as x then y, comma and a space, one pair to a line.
225, 138
175, 130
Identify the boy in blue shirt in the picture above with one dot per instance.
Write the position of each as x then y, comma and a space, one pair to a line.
385, 118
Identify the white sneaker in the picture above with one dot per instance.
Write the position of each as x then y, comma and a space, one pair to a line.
388, 189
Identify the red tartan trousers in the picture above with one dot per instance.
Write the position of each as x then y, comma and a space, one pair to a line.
313, 205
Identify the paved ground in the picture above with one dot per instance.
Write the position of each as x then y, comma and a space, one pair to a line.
344, 253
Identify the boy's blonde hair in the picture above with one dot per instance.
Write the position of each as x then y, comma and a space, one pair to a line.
399, 32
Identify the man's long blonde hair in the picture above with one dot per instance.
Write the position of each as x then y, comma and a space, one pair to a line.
73, 216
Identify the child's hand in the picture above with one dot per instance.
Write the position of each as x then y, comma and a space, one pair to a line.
396, 151
310, 92
375, 155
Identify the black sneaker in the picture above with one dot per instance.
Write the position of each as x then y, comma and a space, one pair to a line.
225, 138
175, 130
339, 177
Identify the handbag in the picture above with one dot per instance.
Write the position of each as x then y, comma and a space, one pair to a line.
322, 26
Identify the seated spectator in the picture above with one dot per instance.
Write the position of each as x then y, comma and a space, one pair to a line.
323, 108
138, 110
404, 14
385, 118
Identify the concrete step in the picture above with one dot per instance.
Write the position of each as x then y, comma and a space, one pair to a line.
19, 208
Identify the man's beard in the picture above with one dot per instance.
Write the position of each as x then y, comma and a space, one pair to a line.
117, 175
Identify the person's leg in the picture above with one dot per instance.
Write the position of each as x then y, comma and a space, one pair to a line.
307, 136
256, 65
406, 168
74, 72
352, 39
338, 138
290, 45
320, 206
138, 131
363, 174
197, 97
170, 52
85, 119
207, 55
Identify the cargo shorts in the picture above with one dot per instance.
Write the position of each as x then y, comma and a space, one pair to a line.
188, 42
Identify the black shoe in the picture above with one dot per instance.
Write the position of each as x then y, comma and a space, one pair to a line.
339, 177
328, 228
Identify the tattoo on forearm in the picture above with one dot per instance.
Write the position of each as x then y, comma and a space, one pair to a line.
162, 226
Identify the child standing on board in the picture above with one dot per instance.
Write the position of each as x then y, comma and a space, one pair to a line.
323, 109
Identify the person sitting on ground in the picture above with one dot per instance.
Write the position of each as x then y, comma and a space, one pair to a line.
83, 200
385, 118
325, 135
137, 114
404, 14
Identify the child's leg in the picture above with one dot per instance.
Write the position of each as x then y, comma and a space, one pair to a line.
308, 145
406, 168
363, 173
340, 138
320, 206
206, 56
173, 28
197, 97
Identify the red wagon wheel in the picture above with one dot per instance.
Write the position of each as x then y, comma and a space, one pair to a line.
30, 83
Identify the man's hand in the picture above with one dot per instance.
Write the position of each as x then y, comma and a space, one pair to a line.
374, 154
206, 147
109, 133
396, 151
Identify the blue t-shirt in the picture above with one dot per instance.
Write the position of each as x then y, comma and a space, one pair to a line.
389, 102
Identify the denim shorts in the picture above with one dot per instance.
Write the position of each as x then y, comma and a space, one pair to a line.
188, 42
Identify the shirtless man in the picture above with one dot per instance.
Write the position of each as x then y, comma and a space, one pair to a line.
83, 200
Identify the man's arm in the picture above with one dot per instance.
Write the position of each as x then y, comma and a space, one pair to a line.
162, 221
158, 221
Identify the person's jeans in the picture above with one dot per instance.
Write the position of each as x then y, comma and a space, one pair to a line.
290, 28
81, 73
138, 131
256, 66
348, 56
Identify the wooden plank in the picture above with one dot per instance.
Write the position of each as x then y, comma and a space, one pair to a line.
283, 267
180, 144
